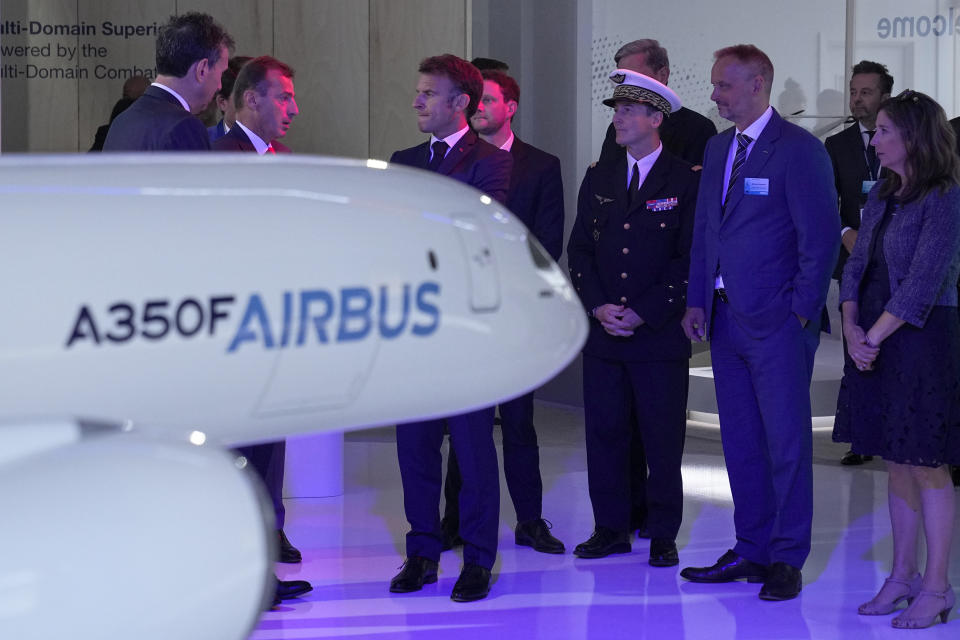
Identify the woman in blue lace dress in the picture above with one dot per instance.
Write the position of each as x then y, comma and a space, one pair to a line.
900, 393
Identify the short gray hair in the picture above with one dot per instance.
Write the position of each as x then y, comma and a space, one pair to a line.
656, 56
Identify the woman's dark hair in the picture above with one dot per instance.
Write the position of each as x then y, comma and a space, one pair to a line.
929, 142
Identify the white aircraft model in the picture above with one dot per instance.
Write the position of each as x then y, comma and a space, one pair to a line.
157, 308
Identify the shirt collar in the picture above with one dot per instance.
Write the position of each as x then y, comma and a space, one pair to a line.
506, 146
176, 95
755, 129
644, 164
257, 141
451, 139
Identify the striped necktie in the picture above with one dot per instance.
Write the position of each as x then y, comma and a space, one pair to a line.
743, 141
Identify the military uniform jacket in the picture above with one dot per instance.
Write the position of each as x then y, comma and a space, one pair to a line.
636, 256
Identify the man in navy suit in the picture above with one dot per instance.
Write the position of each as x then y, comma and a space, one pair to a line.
629, 254
265, 103
448, 91
192, 52
765, 242
228, 112
536, 197
856, 167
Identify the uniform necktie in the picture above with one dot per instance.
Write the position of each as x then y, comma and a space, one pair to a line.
743, 141
439, 153
873, 162
633, 191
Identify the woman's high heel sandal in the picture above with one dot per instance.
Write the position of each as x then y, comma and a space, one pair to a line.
872, 608
907, 621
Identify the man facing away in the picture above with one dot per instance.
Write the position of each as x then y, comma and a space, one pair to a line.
192, 52
765, 243
448, 92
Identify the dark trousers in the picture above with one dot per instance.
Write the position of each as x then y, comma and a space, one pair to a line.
421, 471
763, 394
268, 460
521, 464
659, 392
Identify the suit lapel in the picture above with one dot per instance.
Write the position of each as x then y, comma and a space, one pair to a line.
456, 155
756, 161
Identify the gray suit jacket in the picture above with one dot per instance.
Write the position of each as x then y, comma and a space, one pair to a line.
922, 248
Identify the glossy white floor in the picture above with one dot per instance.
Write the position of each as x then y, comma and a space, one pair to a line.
352, 546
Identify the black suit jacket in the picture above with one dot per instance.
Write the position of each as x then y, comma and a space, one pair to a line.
237, 140
156, 122
536, 194
850, 169
472, 161
638, 256
684, 134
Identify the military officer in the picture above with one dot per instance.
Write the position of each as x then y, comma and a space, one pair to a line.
629, 254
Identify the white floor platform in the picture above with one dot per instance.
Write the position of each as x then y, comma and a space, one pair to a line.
353, 545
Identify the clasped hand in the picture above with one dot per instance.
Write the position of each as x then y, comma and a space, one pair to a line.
861, 351
618, 320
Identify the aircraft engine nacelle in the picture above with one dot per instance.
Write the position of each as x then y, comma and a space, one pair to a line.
107, 534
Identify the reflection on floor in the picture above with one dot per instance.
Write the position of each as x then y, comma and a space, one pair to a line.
352, 546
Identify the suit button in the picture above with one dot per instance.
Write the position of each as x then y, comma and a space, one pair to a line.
626, 225
663, 225
671, 299
626, 251
623, 300
623, 276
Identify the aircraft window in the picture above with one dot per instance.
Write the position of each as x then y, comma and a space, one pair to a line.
540, 256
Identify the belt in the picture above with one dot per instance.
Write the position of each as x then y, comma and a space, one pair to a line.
722, 294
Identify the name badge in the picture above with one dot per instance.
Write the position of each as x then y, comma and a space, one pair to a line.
662, 205
756, 186
867, 185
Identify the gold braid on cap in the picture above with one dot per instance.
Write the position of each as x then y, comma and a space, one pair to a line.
640, 94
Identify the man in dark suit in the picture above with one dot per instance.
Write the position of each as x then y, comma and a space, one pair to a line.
448, 91
684, 133
192, 52
765, 243
856, 167
629, 254
265, 104
228, 112
536, 197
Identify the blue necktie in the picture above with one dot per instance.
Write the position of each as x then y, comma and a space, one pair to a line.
439, 153
743, 141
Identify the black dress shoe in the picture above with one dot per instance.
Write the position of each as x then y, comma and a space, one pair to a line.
728, 568
663, 553
415, 573
851, 459
287, 589
449, 529
289, 554
603, 543
783, 582
536, 534
473, 584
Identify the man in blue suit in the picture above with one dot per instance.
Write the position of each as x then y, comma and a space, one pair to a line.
192, 53
448, 92
765, 243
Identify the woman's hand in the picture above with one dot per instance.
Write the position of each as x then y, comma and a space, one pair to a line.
861, 351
